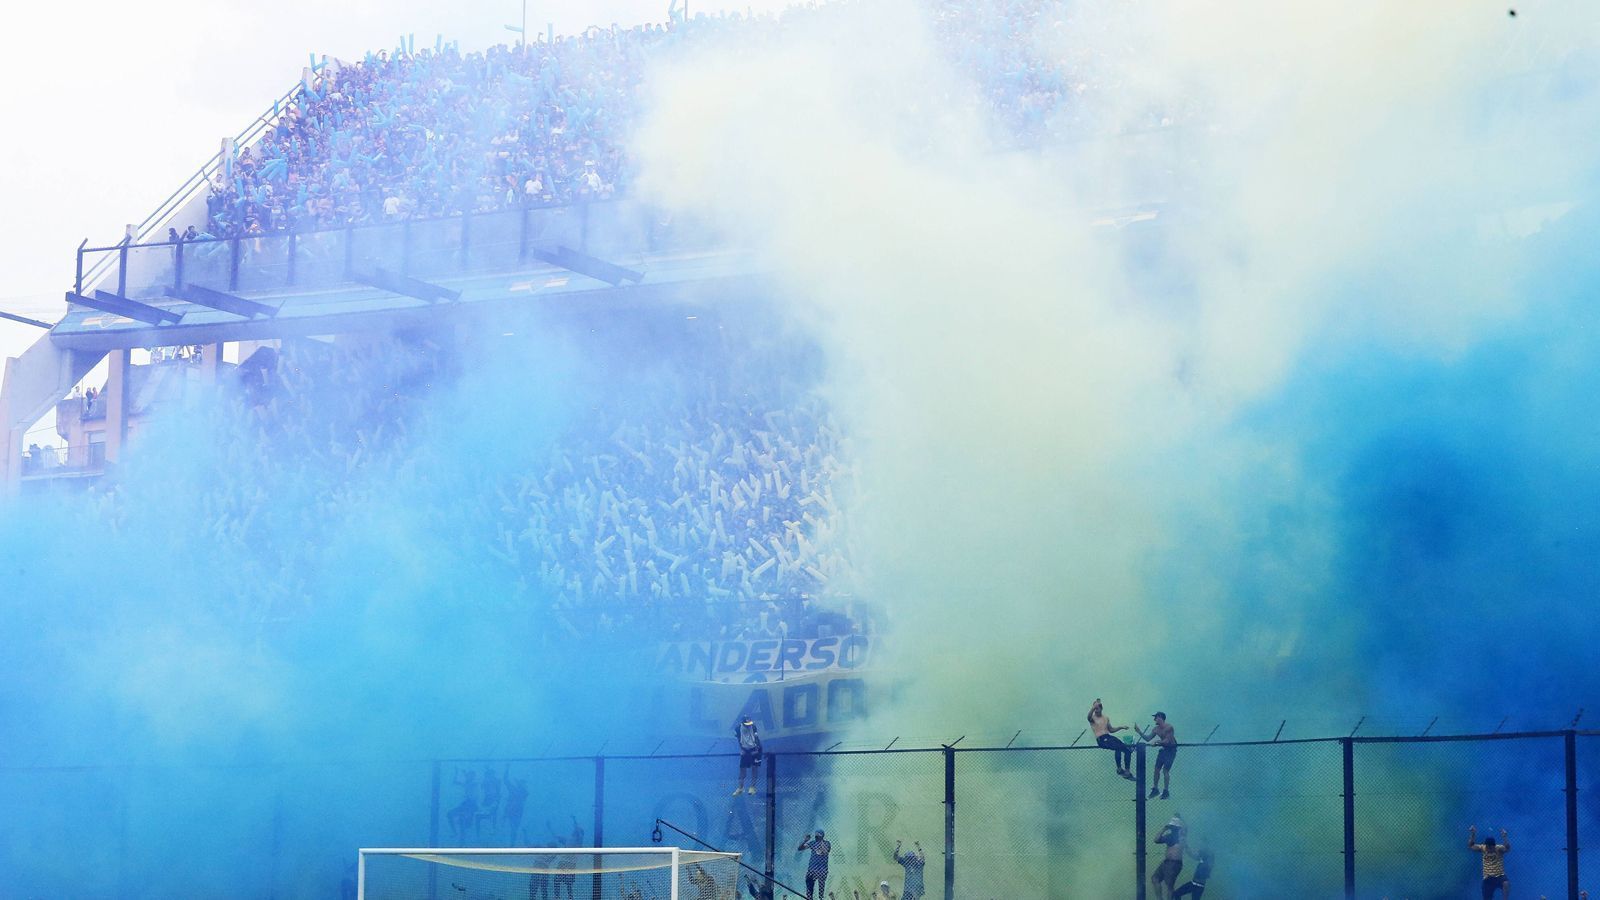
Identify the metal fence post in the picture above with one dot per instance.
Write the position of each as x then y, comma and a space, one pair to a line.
122, 268
466, 239
599, 818
1570, 739
233, 265
599, 801
1139, 824
405, 248
949, 823
1349, 747
772, 818
349, 251
294, 251
522, 236
433, 833
177, 266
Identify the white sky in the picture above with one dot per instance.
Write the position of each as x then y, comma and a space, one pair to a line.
109, 105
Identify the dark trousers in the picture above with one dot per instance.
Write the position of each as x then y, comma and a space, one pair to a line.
1191, 889
1124, 755
819, 878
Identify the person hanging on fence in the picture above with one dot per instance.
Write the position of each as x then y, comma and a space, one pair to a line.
913, 863
1105, 735
1175, 836
817, 868
749, 753
1196, 886
1494, 862
1166, 740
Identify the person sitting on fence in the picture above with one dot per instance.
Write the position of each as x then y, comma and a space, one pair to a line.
1105, 736
913, 863
758, 890
749, 753
817, 868
1175, 836
1161, 735
1494, 862
1196, 886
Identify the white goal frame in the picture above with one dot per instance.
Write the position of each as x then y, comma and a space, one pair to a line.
361, 857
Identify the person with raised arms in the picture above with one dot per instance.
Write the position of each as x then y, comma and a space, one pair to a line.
1494, 862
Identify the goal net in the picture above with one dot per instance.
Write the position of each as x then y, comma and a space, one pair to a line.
600, 873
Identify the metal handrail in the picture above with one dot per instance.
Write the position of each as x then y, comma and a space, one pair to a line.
355, 226
201, 176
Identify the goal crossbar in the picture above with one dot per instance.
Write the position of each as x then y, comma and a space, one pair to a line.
519, 860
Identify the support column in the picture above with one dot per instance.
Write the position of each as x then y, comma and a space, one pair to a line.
116, 395
210, 362
1570, 740
1349, 748
10, 455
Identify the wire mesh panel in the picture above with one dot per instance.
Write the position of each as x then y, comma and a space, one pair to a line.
350, 805
494, 241
871, 808
694, 794
526, 803
435, 248
1588, 747
1272, 815
150, 271
466, 875
319, 258
1415, 801
200, 831
264, 262
549, 227
207, 263
618, 231
1043, 824
377, 247
65, 832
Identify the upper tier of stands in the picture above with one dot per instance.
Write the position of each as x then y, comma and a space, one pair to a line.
438, 132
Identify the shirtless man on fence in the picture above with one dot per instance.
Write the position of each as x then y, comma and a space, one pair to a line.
1166, 742
1105, 736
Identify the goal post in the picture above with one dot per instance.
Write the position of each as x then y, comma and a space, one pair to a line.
545, 873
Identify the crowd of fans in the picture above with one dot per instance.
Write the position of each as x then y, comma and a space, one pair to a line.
674, 522
438, 132
678, 513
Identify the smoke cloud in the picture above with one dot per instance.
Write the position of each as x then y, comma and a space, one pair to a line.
1308, 446
1311, 443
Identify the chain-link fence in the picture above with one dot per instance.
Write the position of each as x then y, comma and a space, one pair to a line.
1352, 817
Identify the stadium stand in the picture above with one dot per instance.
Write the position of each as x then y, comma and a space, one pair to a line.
438, 132
701, 503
